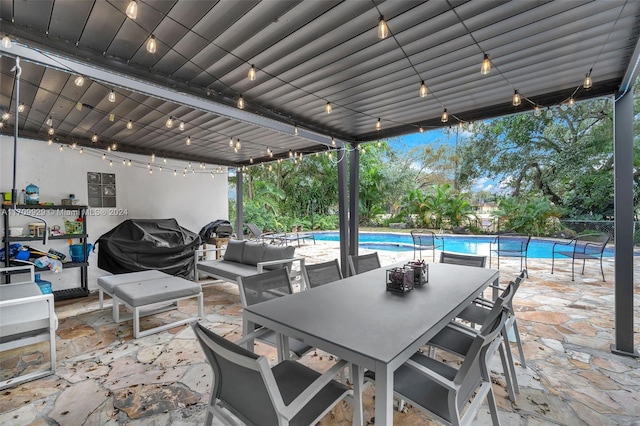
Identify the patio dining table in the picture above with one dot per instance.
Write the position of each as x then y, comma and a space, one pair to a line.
358, 320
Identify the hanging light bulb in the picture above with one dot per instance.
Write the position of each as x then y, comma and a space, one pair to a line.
49, 122
153, 157
549, 113
150, 171
423, 89
110, 163
290, 154
130, 125
252, 73
517, 99
74, 145
231, 142
486, 65
79, 106
51, 131
129, 163
238, 146
572, 102
148, 166
445, 116
537, 111
94, 138
181, 126
152, 46
383, 28
333, 141
5, 116
188, 140
104, 156
378, 125
328, 108
50, 142
460, 124
295, 130
61, 147
164, 160
588, 82
251, 160
213, 176
169, 122
6, 42
132, 9
21, 108
241, 102
79, 81
81, 151
113, 147
175, 173
112, 117
421, 129
1, 124
112, 96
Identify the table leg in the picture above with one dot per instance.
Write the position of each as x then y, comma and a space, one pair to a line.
283, 347
247, 328
384, 395
356, 377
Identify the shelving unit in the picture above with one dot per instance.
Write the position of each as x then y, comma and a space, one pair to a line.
49, 213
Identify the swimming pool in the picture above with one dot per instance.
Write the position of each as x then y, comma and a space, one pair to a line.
470, 244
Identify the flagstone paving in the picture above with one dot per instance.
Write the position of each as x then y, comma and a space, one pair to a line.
106, 377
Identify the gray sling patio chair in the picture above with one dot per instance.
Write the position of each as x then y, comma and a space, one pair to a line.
452, 396
426, 240
363, 263
256, 234
322, 273
463, 259
245, 387
510, 245
583, 247
266, 286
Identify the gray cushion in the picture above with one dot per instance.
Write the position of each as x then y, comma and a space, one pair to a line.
109, 282
277, 253
234, 251
154, 291
253, 253
226, 270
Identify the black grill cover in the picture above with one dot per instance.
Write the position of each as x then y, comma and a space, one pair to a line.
144, 244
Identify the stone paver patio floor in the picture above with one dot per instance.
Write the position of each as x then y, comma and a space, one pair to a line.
105, 377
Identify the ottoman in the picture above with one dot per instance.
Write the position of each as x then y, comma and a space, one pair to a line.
108, 283
145, 297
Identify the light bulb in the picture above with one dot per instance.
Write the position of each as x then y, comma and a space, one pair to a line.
130, 125
383, 29
188, 140
49, 122
238, 146
6, 42
537, 111
79, 81
73, 145
94, 138
110, 163
333, 141
21, 108
549, 113
517, 99
81, 151
572, 102
445, 116
251, 160
129, 163
113, 147
486, 65
153, 157
587, 81
1, 124
50, 142
231, 143
378, 125
421, 129
328, 108
112, 96
50, 131
61, 147
5, 116
104, 156
112, 117
169, 122
79, 106
290, 154
295, 130
132, 9
423, 90
152, 46
181, 126
241, 102
252, 73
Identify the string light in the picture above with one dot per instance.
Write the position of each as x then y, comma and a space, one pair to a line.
50, 142
1, 124
328, 108
113, 146
169, 122
251, 160
445, 116
175, 173
49, 122
241, 102
152, 46
252, 73
572, 102
188, 140
61, 147
50, 131
6, 42
5, 116
588, 82
378, 125
81, 151
423, 89
110, 163
79, 106
112, 96
333, 141
486, 65
130, 125
549, 113
132, 9
181, 126
153, 157
517, 99
112, 117
21, 108
238, 146
290, 154
104, 156
231, 142
421, 129
79, 81
383, 28
94, 138
537, 111
129, 163
295, 130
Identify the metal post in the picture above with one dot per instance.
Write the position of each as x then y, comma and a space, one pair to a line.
354, 200
623, 224
343, 213
239, 203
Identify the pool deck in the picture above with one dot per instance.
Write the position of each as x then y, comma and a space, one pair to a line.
106, 377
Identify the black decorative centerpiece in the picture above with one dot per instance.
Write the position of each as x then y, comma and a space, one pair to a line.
400, 279
420, 272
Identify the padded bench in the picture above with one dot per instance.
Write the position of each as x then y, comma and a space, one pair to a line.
246, 258
108, 283
145, 295
26, 317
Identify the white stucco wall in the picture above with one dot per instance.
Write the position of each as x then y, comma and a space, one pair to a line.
193, 201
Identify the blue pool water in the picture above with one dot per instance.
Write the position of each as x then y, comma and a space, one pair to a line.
538, 248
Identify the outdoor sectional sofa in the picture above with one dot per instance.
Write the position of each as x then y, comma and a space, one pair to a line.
245, 258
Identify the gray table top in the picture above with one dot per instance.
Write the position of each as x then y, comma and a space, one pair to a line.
359, 315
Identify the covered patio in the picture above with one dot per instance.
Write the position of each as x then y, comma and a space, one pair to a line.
106, 377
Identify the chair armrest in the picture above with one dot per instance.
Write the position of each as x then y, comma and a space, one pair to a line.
26, 269
254, 334
303, 399
560, 243
442, 381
